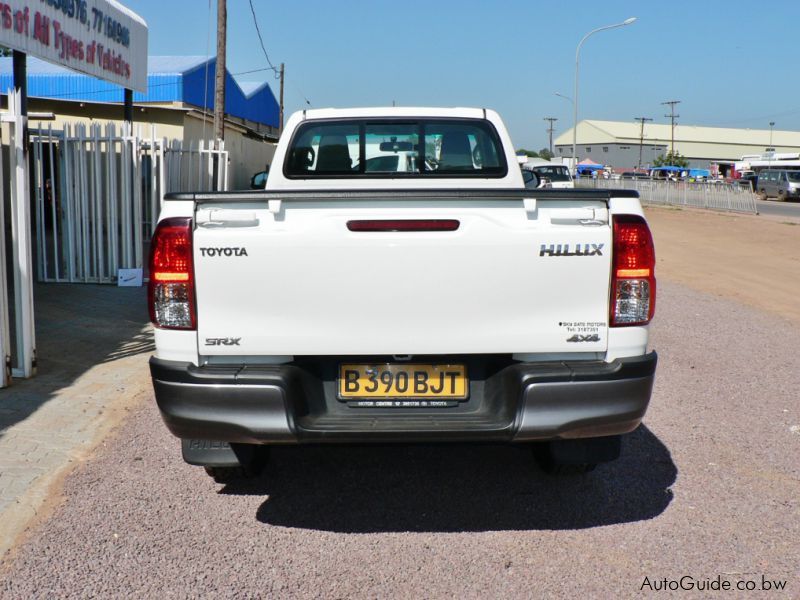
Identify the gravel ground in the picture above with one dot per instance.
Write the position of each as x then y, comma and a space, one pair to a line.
710, 486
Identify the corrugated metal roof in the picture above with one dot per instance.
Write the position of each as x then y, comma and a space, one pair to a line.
188, 79
250, 87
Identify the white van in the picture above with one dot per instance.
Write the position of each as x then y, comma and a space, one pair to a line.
549, 174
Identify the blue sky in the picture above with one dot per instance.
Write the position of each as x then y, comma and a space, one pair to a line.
728, 62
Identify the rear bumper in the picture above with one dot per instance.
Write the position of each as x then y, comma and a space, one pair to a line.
286, 404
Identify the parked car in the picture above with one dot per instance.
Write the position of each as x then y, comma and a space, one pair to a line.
635, 175
549, 174
781, 184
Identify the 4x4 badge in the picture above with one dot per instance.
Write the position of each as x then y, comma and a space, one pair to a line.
584, 338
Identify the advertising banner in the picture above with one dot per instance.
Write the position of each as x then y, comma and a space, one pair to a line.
101, 38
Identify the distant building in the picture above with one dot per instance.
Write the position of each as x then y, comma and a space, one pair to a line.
179, 89
617, 143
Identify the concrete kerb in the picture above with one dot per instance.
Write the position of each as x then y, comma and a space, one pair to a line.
93, 343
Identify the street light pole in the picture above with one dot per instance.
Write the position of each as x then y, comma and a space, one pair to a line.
575, 97
571, 101
771, 149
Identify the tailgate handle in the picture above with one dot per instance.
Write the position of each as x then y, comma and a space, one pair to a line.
585, 215
218, 217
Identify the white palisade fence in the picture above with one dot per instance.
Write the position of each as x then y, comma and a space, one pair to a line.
711, 195
98, 191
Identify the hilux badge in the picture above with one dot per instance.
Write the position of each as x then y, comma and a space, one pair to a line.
564, 250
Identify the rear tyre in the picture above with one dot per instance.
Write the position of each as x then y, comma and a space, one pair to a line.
252, 460
762, 195
575, 457
551, 467
225, 474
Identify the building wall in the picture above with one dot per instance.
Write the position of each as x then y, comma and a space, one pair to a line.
247, 155
168, 122
702, 146
619, 156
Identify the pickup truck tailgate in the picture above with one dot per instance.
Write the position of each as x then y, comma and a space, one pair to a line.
291, 278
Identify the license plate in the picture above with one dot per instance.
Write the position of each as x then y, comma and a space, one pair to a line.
400, 380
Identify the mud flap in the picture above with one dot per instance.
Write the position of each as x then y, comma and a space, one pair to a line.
208, 453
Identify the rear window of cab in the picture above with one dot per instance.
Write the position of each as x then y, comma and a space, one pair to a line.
356, 148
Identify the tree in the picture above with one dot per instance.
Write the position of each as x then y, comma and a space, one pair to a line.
545, 154
528, 153
5, 51
670, 159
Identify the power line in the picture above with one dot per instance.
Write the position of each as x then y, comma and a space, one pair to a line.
279, 73
299, 91
252, 71
294, 85
261, 40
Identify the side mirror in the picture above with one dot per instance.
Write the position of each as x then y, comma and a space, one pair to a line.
531, 179
259, 180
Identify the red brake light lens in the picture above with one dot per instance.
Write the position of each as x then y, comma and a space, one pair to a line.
171, 288
404, 225
633, 281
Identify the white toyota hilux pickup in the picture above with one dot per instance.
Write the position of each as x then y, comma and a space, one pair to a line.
356, 301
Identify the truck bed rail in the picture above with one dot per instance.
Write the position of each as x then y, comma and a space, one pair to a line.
577, 195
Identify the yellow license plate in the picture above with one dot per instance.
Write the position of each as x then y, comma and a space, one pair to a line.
401, 380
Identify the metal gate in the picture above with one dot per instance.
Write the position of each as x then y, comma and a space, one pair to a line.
89, 196
98, 192
5, 339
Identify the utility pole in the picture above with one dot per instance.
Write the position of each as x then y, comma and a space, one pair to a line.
280, 127
219, 76
641, 138
672, 117
550, 131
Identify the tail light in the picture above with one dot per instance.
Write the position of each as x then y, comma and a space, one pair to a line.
633, 279
395, 225
171, 288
